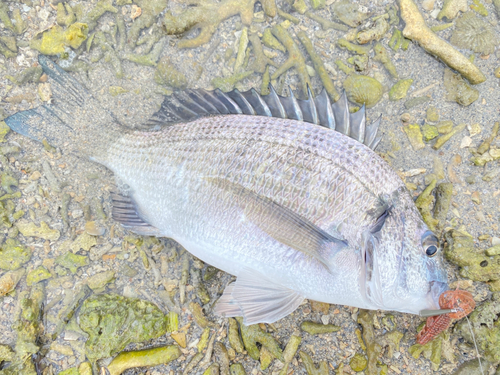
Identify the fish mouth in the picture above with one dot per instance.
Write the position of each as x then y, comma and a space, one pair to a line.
436, 288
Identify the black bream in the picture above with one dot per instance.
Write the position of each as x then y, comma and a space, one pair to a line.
286, 194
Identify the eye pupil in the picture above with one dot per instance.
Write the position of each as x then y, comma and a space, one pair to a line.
431, 250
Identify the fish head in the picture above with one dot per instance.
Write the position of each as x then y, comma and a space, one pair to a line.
404, 269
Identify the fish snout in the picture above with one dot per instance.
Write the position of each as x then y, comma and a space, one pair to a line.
436, 289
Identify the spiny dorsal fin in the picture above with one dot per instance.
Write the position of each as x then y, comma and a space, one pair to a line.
191, 104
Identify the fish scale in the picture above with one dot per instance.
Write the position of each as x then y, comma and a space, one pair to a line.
294, 209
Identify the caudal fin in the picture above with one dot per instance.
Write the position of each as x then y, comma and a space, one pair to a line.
73, 120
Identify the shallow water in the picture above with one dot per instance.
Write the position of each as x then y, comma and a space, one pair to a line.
88, 183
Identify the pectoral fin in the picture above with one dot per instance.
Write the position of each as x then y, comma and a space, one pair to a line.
281, 223
257, 299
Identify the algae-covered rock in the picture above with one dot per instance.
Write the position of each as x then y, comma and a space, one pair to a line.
433, 350
472, 367
9, 281
429, 132
13, 254
55, 40
472, 32
363, 90
32, 74
99, 280
451, 8
459, 249
6, 353
318, 328
375, 32
349, 13
142, 358
311, 369
432, 114
167, 74
114, 321
358, 363
4, 130
399, 89
72, 261
444, 127
458, 90
414, 136
38, 274
30, 229
252, 335
486, 327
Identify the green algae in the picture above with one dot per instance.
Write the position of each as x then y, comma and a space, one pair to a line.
213, 369
38, 274
55, 40
150, 10
112, 322
376, 344
142, 358
319, 66
459, 249
346, 69
479, 8
13, 254
348, 13
7, 180
92, 16
167, 74
252, 335
485, 145
9, 281
429, 132
360, 62
473, 367
207, 15
318, 328
442, 27
358, 363
414, 136
446, 137
72, 261
227, 84
414, 102
30, 229
6, 353
432, 114
458, 90
400, 89
375, 32
363, 90
382, 55
116, 90
8, 46
486, 328
311, 369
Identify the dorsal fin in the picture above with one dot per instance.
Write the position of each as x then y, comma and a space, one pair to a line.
191, 104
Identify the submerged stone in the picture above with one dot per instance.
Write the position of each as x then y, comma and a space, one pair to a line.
363, 90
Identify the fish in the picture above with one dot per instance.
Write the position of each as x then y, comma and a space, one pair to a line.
287, 195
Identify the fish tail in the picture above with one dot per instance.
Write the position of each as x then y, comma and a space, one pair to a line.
73, 119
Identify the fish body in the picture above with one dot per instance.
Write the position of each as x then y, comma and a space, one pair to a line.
293, 209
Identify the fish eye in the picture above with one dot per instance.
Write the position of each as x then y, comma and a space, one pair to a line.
430, 243
431, 250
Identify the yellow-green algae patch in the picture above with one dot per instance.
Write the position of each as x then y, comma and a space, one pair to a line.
13, 254
112, 322
142, 358
55, 40
399, 90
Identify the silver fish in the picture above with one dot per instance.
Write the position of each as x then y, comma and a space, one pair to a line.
285, 194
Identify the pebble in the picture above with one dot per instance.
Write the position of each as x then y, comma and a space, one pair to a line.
325, 319
77, 214
495, 241
466, 142
476, 197
35, 176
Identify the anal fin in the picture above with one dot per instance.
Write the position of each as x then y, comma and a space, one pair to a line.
125, 211
257, 299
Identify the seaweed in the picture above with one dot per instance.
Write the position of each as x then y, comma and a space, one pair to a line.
55, 40
206, 15
295, 58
